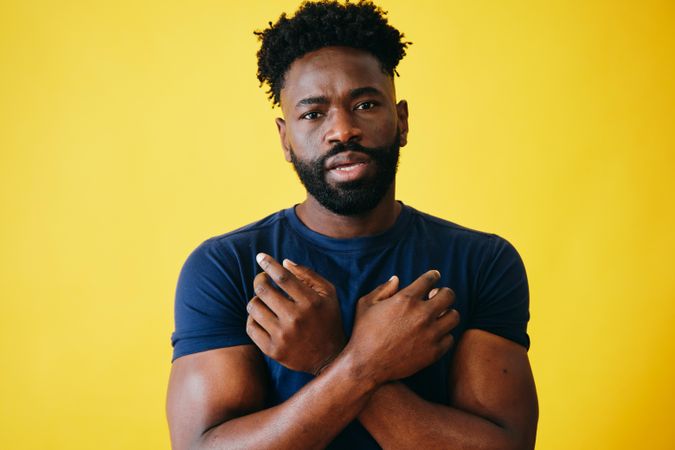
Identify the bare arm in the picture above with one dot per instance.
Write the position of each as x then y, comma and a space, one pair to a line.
493, 399
208, 388
493, 403
216, 398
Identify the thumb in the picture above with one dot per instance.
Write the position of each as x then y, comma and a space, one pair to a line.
309, 277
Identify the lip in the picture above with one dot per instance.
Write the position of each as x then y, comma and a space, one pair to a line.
348, 166
345, 159
350, 172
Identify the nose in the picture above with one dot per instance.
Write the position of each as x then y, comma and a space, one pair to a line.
342, 127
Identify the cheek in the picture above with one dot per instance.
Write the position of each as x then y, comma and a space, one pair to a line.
305, 140
380, 131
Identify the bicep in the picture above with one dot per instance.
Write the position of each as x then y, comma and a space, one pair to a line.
211, 387
491, 377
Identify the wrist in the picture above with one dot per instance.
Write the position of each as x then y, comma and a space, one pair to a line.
359, 368
323, 365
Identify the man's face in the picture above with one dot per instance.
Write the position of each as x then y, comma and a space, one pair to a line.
342, 129
357, 195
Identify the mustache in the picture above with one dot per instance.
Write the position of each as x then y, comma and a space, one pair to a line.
373, 152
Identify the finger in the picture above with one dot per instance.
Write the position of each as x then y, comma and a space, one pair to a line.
270, 295
309, 277
383, 291
258, 335
262, 314
422, 285
448, 321
442, 301
296, 289
446, 343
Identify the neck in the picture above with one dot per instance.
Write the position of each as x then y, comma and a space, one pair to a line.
323, 221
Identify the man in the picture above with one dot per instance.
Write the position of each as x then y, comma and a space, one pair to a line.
351, 320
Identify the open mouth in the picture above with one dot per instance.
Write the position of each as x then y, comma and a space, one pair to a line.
349, 167
349, 171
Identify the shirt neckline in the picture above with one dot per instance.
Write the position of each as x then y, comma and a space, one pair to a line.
362, 243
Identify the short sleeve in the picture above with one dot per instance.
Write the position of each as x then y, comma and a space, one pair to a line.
502, 300
210, 305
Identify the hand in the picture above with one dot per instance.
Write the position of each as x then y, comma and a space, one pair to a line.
303, 333
396, 334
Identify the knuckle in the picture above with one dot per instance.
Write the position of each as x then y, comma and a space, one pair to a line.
293, 323
314, 301
282, 277
303, 307
448, 295
443, 294
259, 289
259, 283
452, 294
280, 344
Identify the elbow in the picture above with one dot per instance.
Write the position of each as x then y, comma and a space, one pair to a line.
518, 438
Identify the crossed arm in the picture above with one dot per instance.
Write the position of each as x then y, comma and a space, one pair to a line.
216, 398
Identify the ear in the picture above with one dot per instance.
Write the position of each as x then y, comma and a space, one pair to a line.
402, 113
281, 127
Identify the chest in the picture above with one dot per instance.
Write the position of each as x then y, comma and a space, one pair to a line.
356, 274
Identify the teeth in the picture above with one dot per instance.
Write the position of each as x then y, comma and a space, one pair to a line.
348, 168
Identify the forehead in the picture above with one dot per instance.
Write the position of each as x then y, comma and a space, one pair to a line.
333, 72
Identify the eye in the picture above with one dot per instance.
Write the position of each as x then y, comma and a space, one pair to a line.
311, 115
365, 105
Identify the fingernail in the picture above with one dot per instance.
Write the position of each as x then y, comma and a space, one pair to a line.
438, 274
433, 292
393, 277
288, 261
259, 257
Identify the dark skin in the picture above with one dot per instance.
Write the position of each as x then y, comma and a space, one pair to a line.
216, 398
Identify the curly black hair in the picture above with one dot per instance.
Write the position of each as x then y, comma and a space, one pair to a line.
318, 24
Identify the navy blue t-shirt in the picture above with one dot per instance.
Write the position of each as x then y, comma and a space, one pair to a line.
484, 270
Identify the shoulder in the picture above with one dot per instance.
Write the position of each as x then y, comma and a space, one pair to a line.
242, 241
231, 254
438, 229
253, 230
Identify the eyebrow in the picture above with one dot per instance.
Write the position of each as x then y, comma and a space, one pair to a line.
354, 93
366, 90
318, 100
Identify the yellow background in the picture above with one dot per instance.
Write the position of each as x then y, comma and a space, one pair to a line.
130, 131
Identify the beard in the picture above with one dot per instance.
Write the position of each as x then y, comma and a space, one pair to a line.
356, 197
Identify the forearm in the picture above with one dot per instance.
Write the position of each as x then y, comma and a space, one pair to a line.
399, 419
309, 419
